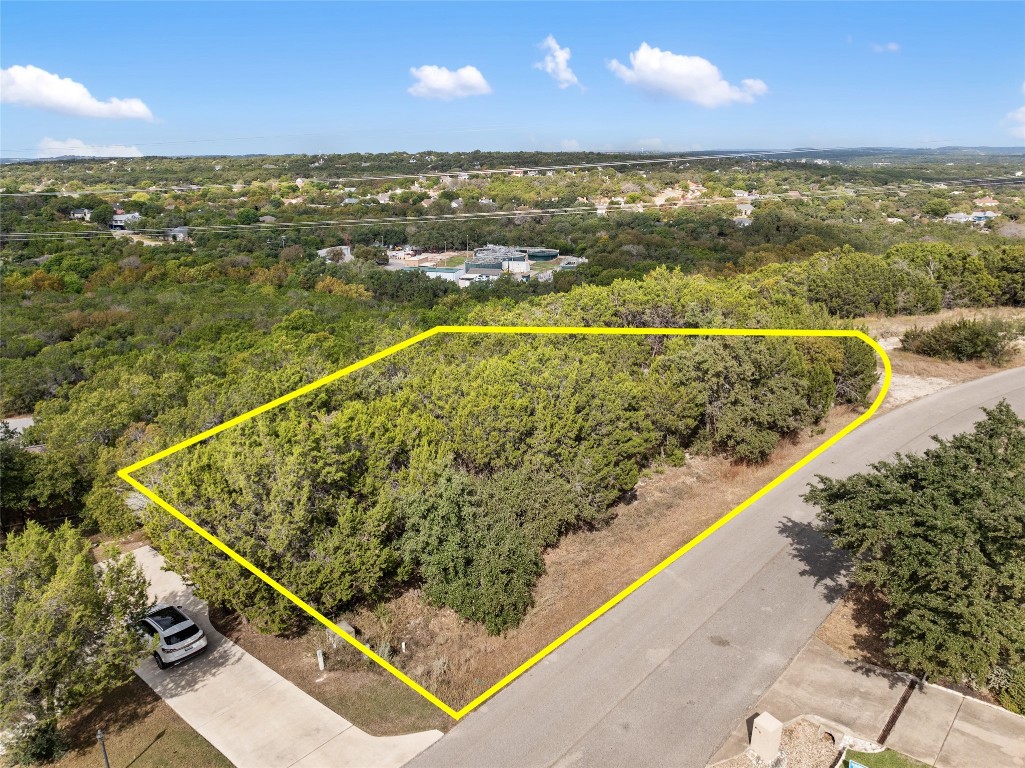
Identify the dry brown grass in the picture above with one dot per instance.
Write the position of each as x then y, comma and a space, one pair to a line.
140, 731
855, 628
882, 327
458, 660
908, 364
352, 685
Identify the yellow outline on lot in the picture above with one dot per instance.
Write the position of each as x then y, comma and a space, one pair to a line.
126, 475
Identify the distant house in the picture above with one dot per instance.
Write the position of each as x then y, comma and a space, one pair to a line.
336, 253
957, 218
178, 234
81, 214
486, 201
981, 217
740, 193
986, 202
571, 262
350, 201
742, 221
267, 219
457, 203
745, 209
124, 220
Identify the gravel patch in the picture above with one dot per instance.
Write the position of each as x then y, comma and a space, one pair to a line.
801, 746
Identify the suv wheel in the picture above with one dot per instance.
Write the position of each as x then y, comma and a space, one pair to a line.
160, 662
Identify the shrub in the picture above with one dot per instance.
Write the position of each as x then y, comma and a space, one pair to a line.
1012, 693
107, 509
963, 340
34, 742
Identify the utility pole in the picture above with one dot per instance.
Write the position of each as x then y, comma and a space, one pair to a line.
103, 746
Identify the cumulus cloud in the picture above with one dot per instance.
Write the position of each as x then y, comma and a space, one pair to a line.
34, 87
442, 83
1015, 122
78, 148
688, 78
885, 47
569, 145
556, 63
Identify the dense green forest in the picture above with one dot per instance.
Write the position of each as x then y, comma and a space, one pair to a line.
456, 463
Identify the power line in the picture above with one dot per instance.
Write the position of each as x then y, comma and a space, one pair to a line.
470, 172
590, 209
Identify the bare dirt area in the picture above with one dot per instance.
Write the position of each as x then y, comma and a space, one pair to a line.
916, 376
102, 543
457, 659
140, 731
882, 327
855, 628
351, 685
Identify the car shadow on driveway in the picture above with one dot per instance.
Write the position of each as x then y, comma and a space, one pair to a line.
192, 674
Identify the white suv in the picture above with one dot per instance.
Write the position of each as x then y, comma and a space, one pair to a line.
178, 636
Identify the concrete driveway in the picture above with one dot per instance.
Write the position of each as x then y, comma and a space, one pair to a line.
938, 726
250, 713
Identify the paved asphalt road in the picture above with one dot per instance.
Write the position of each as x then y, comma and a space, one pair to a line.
663, 678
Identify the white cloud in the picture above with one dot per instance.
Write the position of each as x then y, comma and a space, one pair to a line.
886, 48
569, 145
57, 148
1015, 122
442, 83
556, 63
689, 78
34, 87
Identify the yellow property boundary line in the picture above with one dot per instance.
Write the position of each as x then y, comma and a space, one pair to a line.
126, 475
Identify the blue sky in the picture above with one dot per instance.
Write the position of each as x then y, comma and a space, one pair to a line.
204, 78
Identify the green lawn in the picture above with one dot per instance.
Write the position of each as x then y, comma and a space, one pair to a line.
887, 759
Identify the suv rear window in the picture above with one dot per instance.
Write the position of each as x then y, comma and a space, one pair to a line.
181, 637
166, 618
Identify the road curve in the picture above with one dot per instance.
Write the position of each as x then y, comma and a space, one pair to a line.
663, 678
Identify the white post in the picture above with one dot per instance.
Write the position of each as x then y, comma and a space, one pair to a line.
766, 735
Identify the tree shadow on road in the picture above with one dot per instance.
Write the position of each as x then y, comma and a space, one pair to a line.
828, 566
